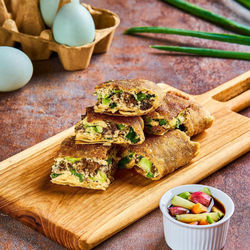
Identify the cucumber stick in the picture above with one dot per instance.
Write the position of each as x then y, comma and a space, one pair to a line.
180, 202
197, 217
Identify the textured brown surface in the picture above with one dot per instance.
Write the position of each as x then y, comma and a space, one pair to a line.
54, 98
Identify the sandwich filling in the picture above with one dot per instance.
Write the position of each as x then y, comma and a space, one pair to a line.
106, 132
161, 126
90, 170
117, 99
141, 163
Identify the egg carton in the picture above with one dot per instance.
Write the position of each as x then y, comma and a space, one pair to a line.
21, 22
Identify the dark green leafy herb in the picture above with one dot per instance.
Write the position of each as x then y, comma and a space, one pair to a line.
162, 122
148, 96
112, 105
123, 162
54, 175
142, 96
120, 126
73, 171
132, 136
150, 175
109, 161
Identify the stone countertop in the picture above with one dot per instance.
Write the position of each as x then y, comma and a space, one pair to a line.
54, 100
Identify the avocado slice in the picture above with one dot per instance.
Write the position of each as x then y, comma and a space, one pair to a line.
72, 159
145, 164
106, 101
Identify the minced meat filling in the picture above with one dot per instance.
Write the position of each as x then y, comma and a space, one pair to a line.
117, 99
85, 167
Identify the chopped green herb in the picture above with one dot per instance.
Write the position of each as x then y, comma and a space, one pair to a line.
117, 91
132, 136
73, 171
112, 105
162, 122
150, 175
72, 159
123, 162
141, 96
109, 161
54, 175
120, 126
105, 101
148, 96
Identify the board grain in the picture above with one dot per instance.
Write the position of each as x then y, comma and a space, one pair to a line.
81, 219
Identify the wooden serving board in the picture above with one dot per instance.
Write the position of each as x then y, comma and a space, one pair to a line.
81, 219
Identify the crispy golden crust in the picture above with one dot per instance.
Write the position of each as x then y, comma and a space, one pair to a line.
70, 148
130, 86
167, 152
196, 118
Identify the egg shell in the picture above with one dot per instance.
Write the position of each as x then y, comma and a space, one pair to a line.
16, 69
48, 10
73, 25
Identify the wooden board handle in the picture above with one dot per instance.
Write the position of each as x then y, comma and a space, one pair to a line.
234, 93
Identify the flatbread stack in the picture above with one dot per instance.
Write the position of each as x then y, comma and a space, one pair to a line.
134, 124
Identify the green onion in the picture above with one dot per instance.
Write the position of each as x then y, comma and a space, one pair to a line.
205, 52
245, 3
210, 16
207, 35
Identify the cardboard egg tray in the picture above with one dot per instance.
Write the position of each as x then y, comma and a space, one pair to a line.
21, 22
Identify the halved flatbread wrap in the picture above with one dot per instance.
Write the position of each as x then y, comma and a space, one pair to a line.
87, 166
106, 129
177, 112
159, 155
127, 97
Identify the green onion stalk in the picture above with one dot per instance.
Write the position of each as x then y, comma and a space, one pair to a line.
210, 16
205, 52
230, 38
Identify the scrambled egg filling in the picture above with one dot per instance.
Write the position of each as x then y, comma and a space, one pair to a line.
105, 131
134, 160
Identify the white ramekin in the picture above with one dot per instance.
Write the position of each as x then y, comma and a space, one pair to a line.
181, 236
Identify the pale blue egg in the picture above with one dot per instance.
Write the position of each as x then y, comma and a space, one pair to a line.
48, 10
73, 25
16, 69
